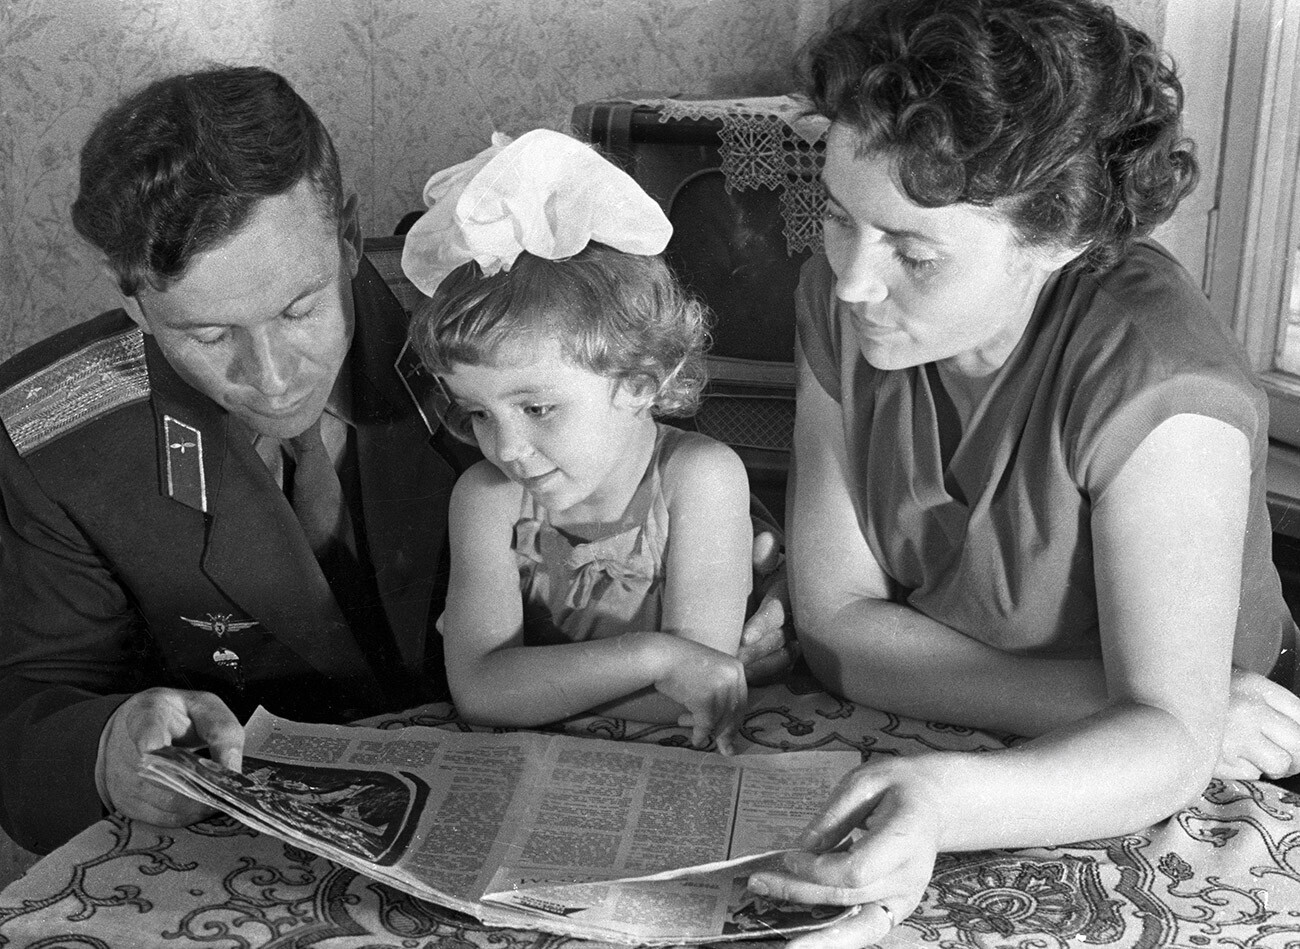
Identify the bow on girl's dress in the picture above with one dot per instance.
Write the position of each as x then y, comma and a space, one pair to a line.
594, 566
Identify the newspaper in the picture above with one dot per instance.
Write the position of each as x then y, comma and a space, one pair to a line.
615, 841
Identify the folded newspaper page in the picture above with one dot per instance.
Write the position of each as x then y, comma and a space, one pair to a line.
617, 841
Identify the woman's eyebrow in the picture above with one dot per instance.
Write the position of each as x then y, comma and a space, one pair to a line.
895, 232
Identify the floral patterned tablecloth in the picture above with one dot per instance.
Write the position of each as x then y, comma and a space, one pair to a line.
1225, 872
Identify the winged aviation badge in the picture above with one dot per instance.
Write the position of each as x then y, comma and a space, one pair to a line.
220, 623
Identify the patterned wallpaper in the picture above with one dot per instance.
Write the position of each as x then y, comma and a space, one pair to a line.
406, 86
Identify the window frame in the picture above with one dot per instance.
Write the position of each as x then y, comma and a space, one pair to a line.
1255, 225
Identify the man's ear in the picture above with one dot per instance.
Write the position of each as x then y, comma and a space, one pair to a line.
132, 307
130, 304
350, 234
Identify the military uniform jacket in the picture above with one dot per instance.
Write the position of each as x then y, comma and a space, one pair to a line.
143, 542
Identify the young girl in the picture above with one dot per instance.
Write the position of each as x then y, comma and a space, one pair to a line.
558, 335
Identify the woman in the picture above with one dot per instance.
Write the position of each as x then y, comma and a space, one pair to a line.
1029, 474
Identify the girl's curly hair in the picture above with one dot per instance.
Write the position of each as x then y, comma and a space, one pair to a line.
1056, 113
619, 315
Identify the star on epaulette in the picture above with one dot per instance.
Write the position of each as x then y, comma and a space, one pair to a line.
93, 381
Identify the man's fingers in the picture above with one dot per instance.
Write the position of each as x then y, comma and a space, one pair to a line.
1236, 769
767, 552
773, 667
765, 622
1268, 759
147, 725
1282, 699
177, 811
1284, 733
215, 725
157, 718
142, 798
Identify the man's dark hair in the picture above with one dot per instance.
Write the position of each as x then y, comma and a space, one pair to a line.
1055, 112
177, 167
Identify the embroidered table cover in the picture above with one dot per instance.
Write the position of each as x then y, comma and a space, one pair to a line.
1225, 872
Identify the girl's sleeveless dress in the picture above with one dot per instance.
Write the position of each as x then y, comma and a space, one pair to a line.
608, 581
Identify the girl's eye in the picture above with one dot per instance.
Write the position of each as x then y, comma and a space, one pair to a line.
538, 411
209, 339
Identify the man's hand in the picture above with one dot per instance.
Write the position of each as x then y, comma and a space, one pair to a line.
155, 719
768, 647
1262, 733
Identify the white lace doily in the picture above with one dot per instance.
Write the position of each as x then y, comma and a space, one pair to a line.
774, 142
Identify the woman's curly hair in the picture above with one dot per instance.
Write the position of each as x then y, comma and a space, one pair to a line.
619, 315
1056, 113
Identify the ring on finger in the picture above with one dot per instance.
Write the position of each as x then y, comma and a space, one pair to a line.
889, 915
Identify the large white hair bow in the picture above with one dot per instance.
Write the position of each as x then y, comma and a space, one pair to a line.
544, 193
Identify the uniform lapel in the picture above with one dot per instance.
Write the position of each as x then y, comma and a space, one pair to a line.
405, 482
255, 551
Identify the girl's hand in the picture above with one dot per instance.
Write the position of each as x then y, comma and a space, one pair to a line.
1262, 733
711, 686
899, 810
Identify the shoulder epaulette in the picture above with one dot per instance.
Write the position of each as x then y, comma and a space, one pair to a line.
86, 384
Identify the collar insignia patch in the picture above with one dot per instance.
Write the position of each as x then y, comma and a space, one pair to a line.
186, 481
415, 377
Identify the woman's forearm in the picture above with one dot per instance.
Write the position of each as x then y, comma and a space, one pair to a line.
891, 657
1126, 767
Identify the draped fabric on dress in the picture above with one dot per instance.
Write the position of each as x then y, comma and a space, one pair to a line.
607, 583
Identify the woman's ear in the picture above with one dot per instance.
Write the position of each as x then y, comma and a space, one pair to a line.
1052, 257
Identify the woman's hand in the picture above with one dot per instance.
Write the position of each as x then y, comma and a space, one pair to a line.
1262, 732
898, 809
768, 647
711, 686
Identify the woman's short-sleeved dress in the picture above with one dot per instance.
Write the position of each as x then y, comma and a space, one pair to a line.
997, 542
609, 581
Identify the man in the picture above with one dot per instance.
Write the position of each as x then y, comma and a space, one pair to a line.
230, 492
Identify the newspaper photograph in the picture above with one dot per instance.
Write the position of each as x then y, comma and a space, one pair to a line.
617, 841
